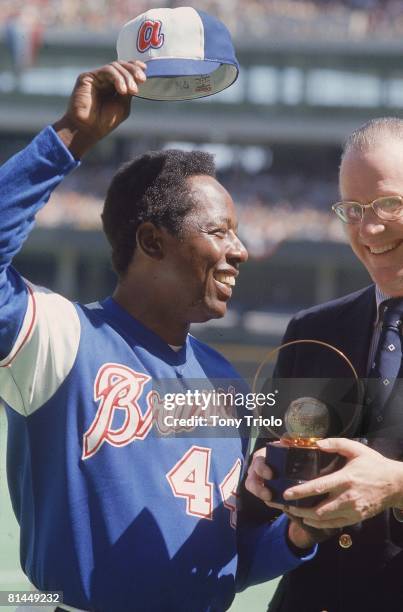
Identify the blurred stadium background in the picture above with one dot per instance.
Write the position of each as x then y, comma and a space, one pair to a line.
311, 71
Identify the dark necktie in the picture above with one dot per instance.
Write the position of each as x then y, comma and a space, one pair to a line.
386, 366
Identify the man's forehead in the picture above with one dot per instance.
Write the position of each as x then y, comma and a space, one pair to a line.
209, 214
206, 192
379, 167
382, 153
205, 185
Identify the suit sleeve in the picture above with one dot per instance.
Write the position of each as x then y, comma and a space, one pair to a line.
26, 183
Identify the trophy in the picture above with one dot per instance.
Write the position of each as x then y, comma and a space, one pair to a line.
307, 410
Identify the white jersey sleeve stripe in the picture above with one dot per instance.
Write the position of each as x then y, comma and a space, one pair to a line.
44, 353
25, 331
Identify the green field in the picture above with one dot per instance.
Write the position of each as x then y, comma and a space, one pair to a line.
12, 578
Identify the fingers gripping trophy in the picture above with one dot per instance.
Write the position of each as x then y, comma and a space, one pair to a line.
306, 410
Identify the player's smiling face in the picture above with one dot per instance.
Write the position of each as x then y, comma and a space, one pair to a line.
203, 261
364, 177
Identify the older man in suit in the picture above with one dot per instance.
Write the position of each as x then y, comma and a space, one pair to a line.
360, 566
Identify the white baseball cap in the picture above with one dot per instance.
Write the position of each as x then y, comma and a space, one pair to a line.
189, 54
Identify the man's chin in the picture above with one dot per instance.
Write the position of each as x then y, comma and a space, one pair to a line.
210, 311
390, 284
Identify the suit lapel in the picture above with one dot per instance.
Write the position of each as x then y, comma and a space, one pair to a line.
354, 330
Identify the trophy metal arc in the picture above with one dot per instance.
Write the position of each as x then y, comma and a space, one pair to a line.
308, 416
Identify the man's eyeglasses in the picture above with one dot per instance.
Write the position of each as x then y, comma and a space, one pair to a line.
387, 208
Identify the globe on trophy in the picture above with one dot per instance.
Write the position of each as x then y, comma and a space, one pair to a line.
307, 418
306, 410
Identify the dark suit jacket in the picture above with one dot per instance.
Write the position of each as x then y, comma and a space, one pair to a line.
368, 576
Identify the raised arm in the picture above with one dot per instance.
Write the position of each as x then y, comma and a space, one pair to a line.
99, 102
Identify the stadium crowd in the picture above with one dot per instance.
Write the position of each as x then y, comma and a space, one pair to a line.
245, 18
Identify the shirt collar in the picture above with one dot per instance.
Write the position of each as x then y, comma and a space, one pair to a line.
380, 299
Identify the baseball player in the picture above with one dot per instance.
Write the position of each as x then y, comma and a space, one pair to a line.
114, 512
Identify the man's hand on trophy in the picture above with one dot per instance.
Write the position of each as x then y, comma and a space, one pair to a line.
367, 484
299, 534
258, 472
100, 101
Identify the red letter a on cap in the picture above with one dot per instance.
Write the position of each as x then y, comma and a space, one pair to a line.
150, 35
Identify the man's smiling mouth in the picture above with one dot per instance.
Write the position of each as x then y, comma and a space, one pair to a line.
226, 279
379, 250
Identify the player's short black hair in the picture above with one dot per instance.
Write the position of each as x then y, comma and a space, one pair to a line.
151, 187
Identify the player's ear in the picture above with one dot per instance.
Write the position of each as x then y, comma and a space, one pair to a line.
150, 240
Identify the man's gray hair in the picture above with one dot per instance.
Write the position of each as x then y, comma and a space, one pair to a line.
372, 133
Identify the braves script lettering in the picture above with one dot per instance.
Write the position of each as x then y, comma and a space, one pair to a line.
117, 388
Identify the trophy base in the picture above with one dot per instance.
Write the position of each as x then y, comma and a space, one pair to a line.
295, 462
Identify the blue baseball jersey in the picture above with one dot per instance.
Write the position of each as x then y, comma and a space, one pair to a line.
114, 511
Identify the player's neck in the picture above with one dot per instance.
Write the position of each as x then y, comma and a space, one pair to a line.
153, 314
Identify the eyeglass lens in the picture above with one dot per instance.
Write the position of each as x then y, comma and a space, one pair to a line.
386, 208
